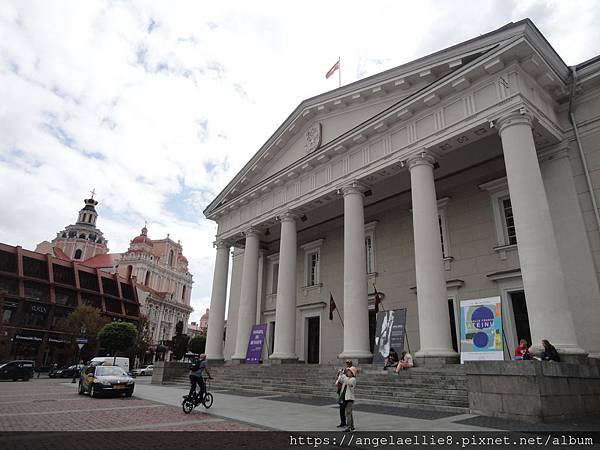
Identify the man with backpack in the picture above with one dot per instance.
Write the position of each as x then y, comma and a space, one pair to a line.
196, 372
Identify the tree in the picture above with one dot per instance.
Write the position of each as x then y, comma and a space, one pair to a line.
117, 337
143, 340
197, 344
180, 342
88, 321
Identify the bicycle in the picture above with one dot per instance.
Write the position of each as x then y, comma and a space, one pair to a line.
190, 402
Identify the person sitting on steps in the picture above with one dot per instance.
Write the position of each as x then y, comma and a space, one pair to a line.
391, 360
406, 362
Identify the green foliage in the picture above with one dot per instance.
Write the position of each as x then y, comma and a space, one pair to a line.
180, 342
197, 344
143, 340
84, 321
117, 337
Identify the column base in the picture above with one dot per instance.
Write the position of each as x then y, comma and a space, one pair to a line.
216, 360
435, 359
278, 361
236, 360
283, 357
357, 357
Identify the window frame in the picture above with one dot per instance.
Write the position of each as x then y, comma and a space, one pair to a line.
370, 251
498, 191
310, 249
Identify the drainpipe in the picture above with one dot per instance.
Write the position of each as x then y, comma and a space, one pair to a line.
580, 146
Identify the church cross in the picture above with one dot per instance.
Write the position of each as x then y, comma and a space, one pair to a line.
93, 192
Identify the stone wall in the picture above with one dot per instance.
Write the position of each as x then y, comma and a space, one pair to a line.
533, 391
169, 370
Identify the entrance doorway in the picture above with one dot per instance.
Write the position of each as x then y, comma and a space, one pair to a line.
372, 328
452, 324
521, 318
271, 337
313, 338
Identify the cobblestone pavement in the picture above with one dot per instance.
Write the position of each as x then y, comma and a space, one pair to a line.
54, 405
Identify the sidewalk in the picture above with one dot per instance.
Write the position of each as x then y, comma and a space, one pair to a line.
280, 412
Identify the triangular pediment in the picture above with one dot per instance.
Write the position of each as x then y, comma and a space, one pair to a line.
291, 150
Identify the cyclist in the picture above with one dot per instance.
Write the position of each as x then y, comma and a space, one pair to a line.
196, 372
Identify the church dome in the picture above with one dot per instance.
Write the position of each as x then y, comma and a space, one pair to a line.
142, 238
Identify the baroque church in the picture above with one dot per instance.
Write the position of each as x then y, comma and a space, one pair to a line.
464, 174
160, 270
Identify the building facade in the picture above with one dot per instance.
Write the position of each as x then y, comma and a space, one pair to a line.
464, 174
37, 290
158, 268
163, 280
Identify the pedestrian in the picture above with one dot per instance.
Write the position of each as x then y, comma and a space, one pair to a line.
391, 360
549, 353
348, 380
522, 351
406, 362
340, 398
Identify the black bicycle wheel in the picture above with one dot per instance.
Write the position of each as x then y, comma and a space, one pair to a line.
188, 406
208, 400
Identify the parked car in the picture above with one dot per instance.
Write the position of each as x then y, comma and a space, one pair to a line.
21, 369
66, 372
111, 360
105, 379
146, 370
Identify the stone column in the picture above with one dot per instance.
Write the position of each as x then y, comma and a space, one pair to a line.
285, 308
547, 303
216, 318
356, 310
247, 308
432, 299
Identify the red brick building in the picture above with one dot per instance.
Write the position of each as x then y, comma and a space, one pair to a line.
37, 290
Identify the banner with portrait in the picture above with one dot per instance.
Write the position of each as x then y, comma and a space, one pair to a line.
389, 333
481, 330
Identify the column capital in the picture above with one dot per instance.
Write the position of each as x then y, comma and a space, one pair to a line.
521, 117
288, 216
354, 187
422, 158
251, 232
221, 243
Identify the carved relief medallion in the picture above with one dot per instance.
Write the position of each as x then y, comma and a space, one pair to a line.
313, 137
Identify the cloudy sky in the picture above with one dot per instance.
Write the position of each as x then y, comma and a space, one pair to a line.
158, 104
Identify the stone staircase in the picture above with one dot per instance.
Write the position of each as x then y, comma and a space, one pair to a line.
442, 389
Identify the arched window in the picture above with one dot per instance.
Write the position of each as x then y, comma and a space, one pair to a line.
147, 280
171, 257
183, 293
129, 270
77, 254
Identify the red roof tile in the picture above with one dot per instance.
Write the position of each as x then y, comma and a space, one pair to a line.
99, 261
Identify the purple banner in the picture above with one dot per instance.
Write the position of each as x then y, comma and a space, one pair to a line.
255, 344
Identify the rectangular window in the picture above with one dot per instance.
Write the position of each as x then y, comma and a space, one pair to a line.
37, 291
312, 269
369, 254
275, 278
509, 222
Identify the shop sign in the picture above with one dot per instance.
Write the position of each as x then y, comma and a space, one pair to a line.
20, 337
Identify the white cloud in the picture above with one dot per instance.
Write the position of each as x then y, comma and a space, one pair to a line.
158, 104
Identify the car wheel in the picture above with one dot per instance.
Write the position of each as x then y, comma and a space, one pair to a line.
208, 400
129, 393
25, 378
93, 392
80, 391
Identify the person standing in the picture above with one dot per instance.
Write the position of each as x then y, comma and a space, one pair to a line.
339, 387
348, 380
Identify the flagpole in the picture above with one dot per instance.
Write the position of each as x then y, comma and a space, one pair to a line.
340, 71
338, 311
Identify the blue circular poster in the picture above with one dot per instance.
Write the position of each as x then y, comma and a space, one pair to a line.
480, 340
482, 318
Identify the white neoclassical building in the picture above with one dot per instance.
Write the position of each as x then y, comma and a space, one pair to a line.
461, 175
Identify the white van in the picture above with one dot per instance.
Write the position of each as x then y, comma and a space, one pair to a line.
120, 361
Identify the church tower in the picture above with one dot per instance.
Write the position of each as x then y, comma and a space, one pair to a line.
82, 240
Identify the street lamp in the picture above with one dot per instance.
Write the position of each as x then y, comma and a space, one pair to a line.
81, 341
